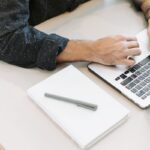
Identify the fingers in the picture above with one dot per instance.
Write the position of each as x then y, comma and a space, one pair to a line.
132, 44
128, 62
116, 50
128, 42
131, 38
133, 52
131, 48
130, 52
125, 38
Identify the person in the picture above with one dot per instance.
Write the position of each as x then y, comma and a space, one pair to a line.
23, 45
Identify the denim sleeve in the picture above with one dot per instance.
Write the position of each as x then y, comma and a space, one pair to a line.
23, 45
76, 3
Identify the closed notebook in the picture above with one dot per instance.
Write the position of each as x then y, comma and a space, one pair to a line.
84, 126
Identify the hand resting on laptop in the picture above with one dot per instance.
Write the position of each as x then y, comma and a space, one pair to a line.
113, 50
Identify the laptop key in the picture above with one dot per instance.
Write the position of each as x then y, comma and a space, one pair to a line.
138, 73
131, 85
145, 61
123, 76
146, 67
133, 76
145, 74
137, 81
140, 93
117, 79
142, 70
134, 90
148, 93
126, 72
143, 83
138, 87
144, 97
132, 70
147, 80
141, 78
146, 89
126, 81
148, 71
137, 66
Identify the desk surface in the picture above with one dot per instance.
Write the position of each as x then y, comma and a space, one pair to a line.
23, 126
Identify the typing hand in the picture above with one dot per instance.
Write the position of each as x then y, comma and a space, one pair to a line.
115, 50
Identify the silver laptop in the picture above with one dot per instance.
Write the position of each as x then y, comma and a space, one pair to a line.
133, 82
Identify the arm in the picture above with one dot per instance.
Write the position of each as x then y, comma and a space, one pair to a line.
21, 44
112, 50
75, 3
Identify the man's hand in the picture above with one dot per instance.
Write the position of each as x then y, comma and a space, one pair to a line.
108, 51
115, 50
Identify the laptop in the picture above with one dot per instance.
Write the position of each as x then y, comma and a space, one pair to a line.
133, 82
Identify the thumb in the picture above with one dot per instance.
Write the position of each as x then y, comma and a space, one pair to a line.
129, 62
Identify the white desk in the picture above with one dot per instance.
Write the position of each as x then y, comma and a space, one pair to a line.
23, 126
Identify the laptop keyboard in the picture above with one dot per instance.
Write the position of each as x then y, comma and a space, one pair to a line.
137, 78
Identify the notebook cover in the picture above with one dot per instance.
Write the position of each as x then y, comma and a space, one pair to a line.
84, 126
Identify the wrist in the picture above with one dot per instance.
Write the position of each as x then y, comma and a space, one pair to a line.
76, 50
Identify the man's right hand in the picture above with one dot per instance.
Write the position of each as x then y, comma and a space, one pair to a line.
115, 50
112, 50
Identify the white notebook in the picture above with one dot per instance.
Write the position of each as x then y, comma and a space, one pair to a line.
84, 126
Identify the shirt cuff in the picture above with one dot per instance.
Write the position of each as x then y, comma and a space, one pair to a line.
75, 3
51, 47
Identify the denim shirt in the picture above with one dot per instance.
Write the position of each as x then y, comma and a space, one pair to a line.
23, 45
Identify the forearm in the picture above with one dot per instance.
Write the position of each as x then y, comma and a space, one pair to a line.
108, 51
76, 50
23, 45
28, 47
